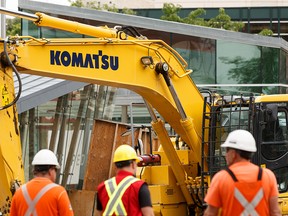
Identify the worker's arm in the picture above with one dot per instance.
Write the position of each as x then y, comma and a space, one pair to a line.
211, 211
64, 205
274, 206
13, 209
145, 201
147, 211
99, 207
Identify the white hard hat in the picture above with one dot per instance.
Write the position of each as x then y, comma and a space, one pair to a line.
242, 140
45, 157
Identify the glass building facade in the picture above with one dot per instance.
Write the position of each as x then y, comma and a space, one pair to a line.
255, 18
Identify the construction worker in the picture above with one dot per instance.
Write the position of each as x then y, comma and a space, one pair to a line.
243, 188
41, 196
124, 194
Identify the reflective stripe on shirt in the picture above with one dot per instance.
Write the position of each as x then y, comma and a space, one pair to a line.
32, 203
249, 207
115, 193
120, 209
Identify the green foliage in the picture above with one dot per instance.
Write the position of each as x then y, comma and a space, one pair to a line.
112, 8
266, 32
92, 5
194, 18
77, 3
222, 20
13, 26
128, 11
97, 6
170, 12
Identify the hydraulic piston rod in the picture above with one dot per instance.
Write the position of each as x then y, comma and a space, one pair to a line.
20, 14
41, 19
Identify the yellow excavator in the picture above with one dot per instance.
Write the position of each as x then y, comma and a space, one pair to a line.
122, 57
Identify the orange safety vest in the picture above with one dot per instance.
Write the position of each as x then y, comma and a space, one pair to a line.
249, 197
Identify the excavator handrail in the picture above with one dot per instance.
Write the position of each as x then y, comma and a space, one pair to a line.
177, 56
184, 63
30, 39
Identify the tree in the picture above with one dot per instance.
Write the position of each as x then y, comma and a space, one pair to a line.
128, 11
266, 32
170, 12
13, 26
97, 6
222, 20
110, 8
77, 3
194, 18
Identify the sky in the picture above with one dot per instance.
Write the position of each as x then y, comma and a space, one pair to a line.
13, 4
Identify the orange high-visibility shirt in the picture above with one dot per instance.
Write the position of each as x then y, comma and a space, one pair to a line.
248, 197
222, 188
53, 202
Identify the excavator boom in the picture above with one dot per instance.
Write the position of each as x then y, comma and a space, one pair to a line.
150, 68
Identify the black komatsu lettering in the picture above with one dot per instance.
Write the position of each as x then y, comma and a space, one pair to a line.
97, 61
55, 57
77, 60
65, 58
105, 63
88, 61
114, 62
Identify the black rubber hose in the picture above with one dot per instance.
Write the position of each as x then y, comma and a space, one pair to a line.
18, 78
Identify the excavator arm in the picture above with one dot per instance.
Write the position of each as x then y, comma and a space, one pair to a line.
112, 57
117, 63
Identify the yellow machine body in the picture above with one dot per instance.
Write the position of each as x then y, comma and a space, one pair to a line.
11, 165
113, 58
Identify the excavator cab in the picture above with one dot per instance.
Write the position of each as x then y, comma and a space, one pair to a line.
273, 141
225, 115
267, 121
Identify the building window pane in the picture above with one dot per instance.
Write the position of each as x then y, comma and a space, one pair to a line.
200, 56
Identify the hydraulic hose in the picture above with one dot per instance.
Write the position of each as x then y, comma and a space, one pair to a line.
18, 78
